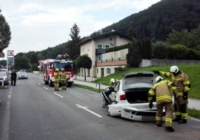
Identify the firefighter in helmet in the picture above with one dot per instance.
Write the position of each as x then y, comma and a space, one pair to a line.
161, 89
113, 83
183, 86
63, 78
56, 79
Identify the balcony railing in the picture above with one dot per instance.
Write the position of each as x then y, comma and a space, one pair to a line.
100, 51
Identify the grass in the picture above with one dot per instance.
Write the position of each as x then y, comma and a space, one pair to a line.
193, 72
194, 113
88, 88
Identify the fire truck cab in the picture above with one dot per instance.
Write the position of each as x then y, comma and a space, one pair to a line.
49, 66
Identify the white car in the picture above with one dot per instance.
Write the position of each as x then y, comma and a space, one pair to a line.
22, 75
4, 80
130, 99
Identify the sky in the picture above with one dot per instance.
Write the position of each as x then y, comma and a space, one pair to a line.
38, 24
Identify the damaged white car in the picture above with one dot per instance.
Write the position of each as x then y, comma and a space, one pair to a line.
129, 98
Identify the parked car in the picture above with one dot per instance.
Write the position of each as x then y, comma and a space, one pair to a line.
4, 78
22, 75
130, 97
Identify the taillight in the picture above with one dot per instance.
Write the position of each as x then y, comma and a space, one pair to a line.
123, 97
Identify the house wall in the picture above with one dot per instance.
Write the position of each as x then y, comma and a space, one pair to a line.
107, 70
121, 40
89, 48
115, 55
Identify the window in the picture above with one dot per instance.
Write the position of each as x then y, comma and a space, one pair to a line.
100, 57
88, 48
107, 46
99, 46
108, 70
110, 38
97, 70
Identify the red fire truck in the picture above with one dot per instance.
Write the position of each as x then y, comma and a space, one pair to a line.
49, 66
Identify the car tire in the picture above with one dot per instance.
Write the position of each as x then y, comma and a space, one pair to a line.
50, 83
69, 84
108, 113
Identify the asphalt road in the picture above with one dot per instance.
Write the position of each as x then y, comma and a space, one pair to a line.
33, 111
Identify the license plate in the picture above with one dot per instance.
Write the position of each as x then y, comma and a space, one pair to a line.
149, 118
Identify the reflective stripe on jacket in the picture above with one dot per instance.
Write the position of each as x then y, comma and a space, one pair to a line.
63, 76
181, 81
56, 76
162, 91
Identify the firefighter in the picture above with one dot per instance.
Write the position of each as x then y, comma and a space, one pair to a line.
57, 78
113, 83
161, 89
183, 86
63, 78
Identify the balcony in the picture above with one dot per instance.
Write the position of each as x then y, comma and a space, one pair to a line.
100, 51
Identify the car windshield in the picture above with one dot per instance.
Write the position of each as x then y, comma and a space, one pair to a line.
3, 73
66, 66
138, 85
22, 72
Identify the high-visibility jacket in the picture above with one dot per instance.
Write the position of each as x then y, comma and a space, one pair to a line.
56, 76
63, 76
162, 91
181, 81
114, 84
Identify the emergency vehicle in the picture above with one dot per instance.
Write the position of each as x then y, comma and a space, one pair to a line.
49, 66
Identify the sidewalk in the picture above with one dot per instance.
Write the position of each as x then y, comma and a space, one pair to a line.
193, 103
80, 80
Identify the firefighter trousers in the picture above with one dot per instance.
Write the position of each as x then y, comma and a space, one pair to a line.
63, 84
56, 85
168, 110
180, 107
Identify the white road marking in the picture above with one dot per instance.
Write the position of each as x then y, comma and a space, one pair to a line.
194, 119
9, 96
38, 84
58, 95
46, 88
89, 111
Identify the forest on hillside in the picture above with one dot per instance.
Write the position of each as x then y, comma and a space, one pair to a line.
160, 19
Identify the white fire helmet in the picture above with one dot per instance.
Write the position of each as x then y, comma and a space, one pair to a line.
112, 80
158, 78
174, 69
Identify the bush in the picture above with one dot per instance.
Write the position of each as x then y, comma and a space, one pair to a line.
178, 51
193, 55
133, 56
117, 48
160, 50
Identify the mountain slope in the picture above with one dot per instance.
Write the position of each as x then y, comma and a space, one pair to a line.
160, 19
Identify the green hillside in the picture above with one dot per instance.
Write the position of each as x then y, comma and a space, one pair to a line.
160, 19
193, 71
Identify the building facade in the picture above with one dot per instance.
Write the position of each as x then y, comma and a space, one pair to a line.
103, 63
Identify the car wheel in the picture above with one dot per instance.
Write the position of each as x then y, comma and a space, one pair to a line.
69, 84
45, 82
108, 113
50, 83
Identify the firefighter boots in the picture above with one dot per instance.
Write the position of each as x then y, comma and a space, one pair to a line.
178, 118
169, 129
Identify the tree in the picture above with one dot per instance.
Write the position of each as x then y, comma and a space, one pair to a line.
133, 56
5, 33
85, 62
73, 43
76, 69
21, 63
34, 58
